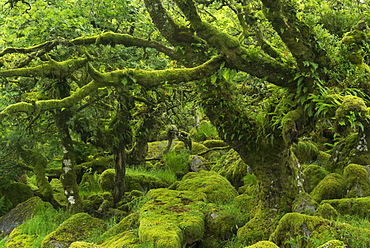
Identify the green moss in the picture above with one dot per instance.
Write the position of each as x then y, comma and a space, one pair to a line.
217, 188
313, 174
351, 206
355, 40
312, 231
331, 187
323, 158
15, 193
197, 148
128, 223
79, 227
134, 181
263, 244
299, 227
344, 152
259, 227
232, 167
81, 244
245, 202
289, 128
155, 149
106, 180
304, 204
333, 244
222, 222
352, 107
172, 218
143, 182
123, 239
305, 151
327, 211
357, 181
19, 239
214, 143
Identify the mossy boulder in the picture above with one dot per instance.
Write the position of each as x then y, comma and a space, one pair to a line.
263, 244
214, 143
217, 188
323, 158
298, 228
351, 206
197, 148
259, 227
222, 222
357, 181
19, 239
81, 244
327, 211
304, 204
156, 148
15, 193
245, 202
333, 244
143, 182
306, 231
79, 227
305, 151
172, 218
123, 239
134, 181
313, 174
233, 168
106, 180
331, 187
128, 223
20, 213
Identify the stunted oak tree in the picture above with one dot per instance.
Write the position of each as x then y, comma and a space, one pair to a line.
311, 71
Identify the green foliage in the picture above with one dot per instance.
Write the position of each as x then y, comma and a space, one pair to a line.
177, 161
204, 131
38, 226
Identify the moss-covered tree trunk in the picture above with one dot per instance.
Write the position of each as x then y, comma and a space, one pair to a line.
122, 138
274, 165
68, 177
140, 150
